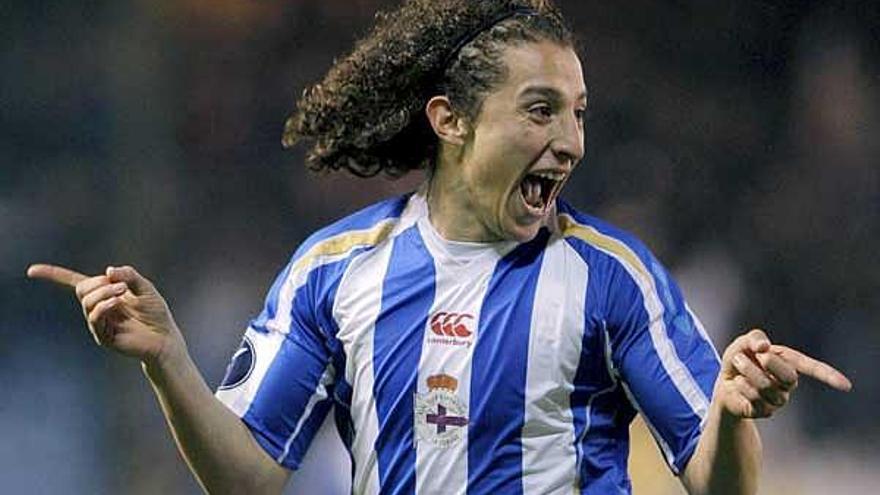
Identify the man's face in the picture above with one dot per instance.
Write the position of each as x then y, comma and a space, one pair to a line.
526, 141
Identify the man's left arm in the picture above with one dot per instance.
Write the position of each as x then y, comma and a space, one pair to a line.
756, 380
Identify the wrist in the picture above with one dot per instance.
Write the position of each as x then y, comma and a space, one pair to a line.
170, 358
726, 405
735, 430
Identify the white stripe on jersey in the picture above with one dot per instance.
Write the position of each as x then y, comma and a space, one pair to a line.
330, 250
439, 469
266, 345
356, 319
676, 370
239, 399
549, 456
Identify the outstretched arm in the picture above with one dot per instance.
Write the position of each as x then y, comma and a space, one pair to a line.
756, 379
126, 313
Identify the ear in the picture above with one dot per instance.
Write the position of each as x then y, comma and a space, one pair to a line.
447, 124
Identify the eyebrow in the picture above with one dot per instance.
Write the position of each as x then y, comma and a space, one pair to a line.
550, 92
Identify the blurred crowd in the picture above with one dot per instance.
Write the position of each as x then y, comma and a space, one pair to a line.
739, 140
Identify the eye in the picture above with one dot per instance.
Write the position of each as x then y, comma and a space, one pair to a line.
581, 115
541, 111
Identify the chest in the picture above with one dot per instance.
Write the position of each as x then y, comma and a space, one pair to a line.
516, 325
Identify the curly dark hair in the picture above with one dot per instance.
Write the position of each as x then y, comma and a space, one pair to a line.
367, 115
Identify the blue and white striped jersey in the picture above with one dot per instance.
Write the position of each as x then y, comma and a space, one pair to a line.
474, 368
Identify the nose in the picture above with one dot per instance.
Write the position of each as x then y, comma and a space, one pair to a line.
568, 143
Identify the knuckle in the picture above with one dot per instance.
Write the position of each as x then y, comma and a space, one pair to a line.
91, 301
734, 349
739, 360
97, 312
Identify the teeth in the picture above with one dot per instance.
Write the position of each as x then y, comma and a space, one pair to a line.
549, 174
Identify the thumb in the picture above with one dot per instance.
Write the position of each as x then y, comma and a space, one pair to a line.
136, 282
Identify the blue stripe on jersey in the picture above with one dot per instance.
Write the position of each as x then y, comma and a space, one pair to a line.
605, 447
345, 424
360, 220
341, 394
294, 375
639, 366
666, 410
407, 296
601, 413
690, 345
498, 376
634, 354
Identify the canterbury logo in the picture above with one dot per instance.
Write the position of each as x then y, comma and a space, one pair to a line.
451, 324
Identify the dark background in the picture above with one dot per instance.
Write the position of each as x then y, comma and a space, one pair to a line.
740, 140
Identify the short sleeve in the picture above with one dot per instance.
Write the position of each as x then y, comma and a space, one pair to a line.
280, 380
663, 356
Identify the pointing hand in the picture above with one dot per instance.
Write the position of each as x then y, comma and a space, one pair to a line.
123, 310
757, 377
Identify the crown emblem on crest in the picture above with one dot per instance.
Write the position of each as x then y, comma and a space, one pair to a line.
442, 381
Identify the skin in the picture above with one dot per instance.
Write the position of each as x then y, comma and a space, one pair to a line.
124, 312
474, 196
531, 121
756, 380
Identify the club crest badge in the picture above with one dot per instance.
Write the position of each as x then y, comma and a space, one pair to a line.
241, 365
440, 416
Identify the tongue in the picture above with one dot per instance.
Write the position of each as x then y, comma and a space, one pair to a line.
531, 191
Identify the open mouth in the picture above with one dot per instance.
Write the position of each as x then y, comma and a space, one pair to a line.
538, 189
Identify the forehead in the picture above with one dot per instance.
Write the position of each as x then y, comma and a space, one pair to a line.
543, 64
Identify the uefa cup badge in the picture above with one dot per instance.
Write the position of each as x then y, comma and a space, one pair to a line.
440, 416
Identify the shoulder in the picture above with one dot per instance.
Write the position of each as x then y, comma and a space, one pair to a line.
357, 232
600, 242
368, 219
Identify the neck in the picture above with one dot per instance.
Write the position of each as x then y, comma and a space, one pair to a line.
451, 211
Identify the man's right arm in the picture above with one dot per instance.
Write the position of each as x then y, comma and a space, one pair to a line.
126, 313
218, 447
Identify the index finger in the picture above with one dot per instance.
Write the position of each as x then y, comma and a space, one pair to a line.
54, 273
823, 372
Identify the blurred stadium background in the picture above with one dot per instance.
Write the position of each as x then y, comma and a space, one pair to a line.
739, 139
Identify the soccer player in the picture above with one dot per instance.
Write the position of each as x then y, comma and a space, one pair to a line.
479, 335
